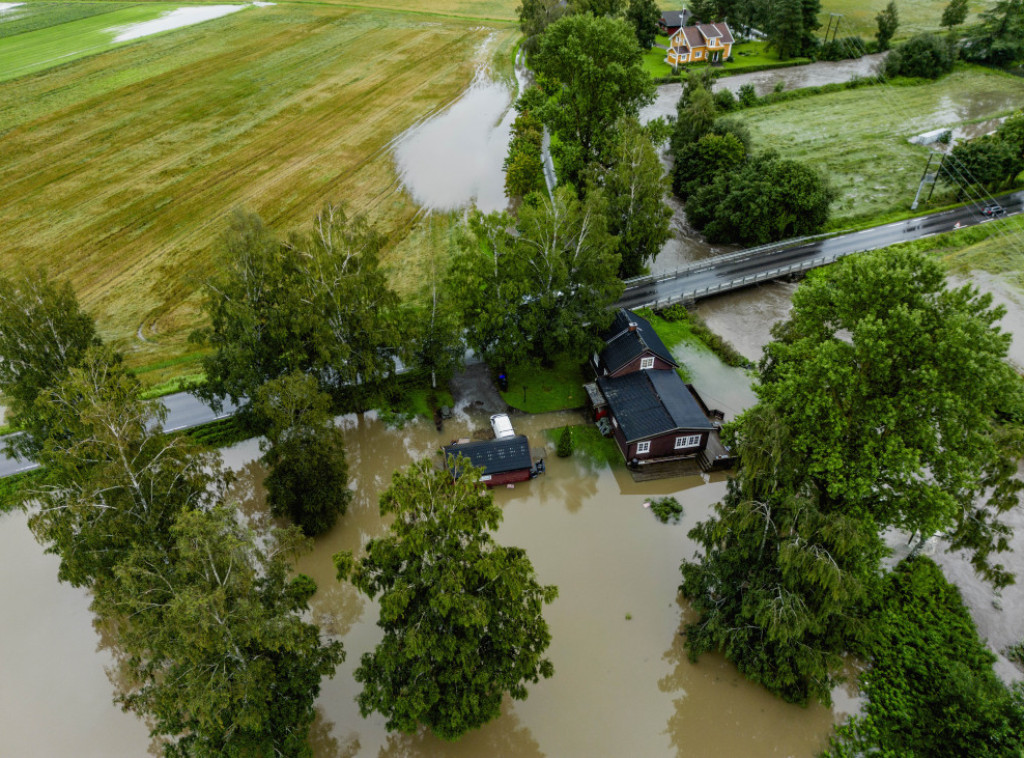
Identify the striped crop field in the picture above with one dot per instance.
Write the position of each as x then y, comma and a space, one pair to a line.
119, 169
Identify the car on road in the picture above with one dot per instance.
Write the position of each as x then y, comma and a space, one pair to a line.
992, 210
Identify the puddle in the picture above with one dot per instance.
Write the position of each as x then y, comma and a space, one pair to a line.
4, 7
455, 158
793, 77
174, 19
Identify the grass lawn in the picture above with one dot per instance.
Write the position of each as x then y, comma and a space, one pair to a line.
134, 157
915, 15
859, 137
540, 390
588, 442
746, 55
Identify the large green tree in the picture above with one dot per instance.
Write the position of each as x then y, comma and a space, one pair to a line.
113, 478
884, 402
317, 303
999, 38
535, 16
540, 286
644, 15
988, 161
461, 615
786, 31
218, 658
593, 69
764, 200
635, 187
44, 333
305, 452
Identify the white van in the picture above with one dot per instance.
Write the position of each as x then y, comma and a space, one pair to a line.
502, 426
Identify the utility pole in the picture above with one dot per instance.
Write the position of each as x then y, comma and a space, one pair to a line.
920, 184
935, 178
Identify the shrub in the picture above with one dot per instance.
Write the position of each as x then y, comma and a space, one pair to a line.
725, 100
565, 443
748, 95
924, 55
667, 509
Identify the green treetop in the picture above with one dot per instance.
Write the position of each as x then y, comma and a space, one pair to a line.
461, 615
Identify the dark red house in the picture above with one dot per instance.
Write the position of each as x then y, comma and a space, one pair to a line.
655, 417
504, 461
671, 21
640, 400
631, 344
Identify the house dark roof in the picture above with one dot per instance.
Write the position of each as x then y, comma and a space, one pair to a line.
675, 19
495, 456
622, 345
698, 36
652, 403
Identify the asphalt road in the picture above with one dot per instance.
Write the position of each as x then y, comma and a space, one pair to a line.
728, 271
183, 412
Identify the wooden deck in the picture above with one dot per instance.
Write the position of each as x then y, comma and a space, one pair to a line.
715, 456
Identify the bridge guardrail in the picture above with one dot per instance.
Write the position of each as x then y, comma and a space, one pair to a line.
775, 273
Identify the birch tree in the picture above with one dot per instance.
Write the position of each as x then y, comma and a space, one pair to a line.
44, 333
218, 658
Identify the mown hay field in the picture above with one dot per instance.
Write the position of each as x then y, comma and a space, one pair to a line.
119, 170
860, 137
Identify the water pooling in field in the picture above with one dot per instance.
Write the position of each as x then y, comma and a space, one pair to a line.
455, 157
174, 19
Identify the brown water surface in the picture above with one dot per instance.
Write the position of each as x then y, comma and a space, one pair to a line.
622, 683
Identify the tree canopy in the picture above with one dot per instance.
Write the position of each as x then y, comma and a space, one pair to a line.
44, 333
305, 453
317, 303
218, 656
884, 402
644, 15
635, 187
539, 286
461, 615
887, 22
923, 55
593, 72
999, 38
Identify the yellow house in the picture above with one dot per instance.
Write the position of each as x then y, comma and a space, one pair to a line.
696, 44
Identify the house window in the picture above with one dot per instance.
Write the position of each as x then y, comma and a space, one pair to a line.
643, 447
646, 363
691, 441
698, 54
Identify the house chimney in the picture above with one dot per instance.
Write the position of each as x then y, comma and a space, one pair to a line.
632, 326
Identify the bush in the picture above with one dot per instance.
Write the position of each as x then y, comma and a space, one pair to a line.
725, 100
667, 509
748, 95
925, 55
565, 443
843, 49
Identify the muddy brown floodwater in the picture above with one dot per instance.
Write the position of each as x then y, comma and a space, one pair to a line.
622, 683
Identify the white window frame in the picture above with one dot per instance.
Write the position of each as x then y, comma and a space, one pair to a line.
642, 448
689, 441
646, 363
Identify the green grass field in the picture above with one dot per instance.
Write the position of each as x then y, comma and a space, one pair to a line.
63, 41
915, 15
40, 15
859, 137
119, 169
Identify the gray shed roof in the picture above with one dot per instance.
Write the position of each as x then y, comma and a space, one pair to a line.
495, 456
